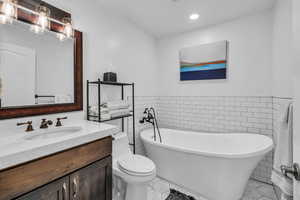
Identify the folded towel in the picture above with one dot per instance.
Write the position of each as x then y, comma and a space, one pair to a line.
120, 112
115, 105
105, 116
284, 150
284, 112
107, 113
94, 110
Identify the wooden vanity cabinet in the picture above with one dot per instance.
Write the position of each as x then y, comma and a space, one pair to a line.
89, 183
92, 182
80, 173
57, 190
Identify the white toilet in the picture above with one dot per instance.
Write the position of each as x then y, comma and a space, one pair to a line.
135, 170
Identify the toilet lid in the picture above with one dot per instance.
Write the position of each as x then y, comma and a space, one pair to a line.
136, 165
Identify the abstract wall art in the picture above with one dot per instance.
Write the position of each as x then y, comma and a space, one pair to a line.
204, 62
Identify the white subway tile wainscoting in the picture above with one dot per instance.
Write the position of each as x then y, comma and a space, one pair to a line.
215, 114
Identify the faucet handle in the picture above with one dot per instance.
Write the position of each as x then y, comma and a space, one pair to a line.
58, 123
29, 126
45, 123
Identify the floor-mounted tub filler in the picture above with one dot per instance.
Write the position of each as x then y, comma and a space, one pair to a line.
216, 166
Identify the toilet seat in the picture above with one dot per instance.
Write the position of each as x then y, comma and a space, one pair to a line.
136, 165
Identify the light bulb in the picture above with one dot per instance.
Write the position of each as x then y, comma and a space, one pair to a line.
7, 12
8, 9
68, 30
61, 36
43, 21
36, 29
4, 19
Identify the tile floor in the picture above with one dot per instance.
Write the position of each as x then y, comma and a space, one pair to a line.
159, 190
259, 191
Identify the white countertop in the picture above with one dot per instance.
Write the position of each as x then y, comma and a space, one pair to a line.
15, 149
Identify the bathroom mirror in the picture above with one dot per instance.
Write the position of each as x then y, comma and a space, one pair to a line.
39, 74
29, 64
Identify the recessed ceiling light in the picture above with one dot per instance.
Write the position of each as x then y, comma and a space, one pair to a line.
194, 16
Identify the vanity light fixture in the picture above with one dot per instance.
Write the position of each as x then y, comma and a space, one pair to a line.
43, 21
8, 11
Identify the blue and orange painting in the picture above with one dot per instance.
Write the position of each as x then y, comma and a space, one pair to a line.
204, 62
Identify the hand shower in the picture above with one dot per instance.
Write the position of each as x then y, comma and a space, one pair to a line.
150, 117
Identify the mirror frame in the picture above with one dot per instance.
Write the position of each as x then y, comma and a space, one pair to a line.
24, 111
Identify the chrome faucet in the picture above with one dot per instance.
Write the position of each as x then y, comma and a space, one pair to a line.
45, 123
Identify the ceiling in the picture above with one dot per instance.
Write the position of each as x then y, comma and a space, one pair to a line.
165, 17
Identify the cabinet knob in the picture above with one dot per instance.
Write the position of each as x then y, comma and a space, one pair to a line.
75, 188
64, 191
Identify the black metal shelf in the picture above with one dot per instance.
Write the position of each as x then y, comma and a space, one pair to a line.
111, 83
97, 118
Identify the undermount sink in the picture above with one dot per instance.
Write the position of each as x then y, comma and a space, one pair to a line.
53, 132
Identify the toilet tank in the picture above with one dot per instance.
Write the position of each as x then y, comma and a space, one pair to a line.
120, 145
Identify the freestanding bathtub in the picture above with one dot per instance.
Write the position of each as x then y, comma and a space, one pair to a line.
214, 165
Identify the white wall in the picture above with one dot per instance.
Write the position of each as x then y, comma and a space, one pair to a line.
296, 39
282, 49
111, 39
249, 64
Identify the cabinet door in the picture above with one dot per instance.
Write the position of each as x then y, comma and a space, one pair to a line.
93, 182
57, 190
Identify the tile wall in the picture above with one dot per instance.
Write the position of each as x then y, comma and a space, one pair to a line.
216, 114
